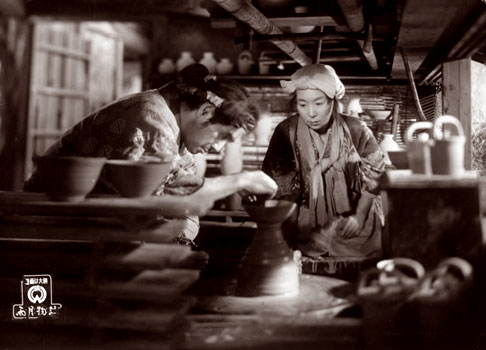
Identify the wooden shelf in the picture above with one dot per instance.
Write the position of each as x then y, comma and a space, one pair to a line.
168, 206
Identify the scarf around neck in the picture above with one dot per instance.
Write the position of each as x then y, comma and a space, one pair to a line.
323, 158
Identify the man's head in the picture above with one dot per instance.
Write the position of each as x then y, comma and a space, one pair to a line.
213, 110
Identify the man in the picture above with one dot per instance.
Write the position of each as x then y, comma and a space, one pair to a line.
192, 114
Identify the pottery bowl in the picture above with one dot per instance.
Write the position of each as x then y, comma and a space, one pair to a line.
68, 178
377, 114
136, 178
270, 210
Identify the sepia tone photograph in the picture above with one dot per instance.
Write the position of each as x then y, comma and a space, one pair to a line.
242, 174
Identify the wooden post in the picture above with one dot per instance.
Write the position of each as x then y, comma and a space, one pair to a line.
412, 86
457, 98
15, 51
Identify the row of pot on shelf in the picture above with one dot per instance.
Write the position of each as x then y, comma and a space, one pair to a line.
224, 66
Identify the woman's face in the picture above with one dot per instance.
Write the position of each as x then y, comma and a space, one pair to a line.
314, 107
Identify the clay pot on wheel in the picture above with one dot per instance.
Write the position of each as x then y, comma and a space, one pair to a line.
268, 266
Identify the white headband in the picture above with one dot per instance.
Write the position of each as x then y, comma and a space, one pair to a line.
315, 76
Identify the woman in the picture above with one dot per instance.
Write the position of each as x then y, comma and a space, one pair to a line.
329, 164
192, 114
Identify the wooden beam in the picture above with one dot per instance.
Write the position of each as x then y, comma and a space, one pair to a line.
248, 14
326, 21
121, 10
423, 24
15, 59
353, 12
457, 98
411, 82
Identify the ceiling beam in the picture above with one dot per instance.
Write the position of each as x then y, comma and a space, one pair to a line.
120, 10
248, 14
353, 12
12, 8
422, 24
326, 21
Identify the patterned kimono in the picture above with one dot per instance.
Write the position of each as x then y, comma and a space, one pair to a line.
331, 176
138, 127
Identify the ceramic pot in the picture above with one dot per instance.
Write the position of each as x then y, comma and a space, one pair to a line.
447, 151
418, 150
166, 66
68, 178
209, 61
224, 66
232, 163
388, 144
184, 60
263, 130
245, 62
301, 29
268, 266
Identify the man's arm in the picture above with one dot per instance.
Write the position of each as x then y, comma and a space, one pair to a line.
246, 182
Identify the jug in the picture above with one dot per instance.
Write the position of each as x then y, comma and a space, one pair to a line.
447, 151
388, 144
245, 62
418, 150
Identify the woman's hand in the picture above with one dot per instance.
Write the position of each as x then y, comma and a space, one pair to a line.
348, 227
257, 183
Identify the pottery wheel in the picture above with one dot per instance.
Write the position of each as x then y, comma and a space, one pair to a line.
318, 295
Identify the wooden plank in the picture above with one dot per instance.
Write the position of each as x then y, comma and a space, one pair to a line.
36, 105
57, 92
22, 227
54, 71
39, 133
161, 287
151, 256
63, 51
169, 206
457, 98
67, 77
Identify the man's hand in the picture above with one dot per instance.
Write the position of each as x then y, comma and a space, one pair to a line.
257, 183
348, 227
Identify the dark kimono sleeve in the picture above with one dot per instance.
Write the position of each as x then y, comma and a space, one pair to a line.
280, 164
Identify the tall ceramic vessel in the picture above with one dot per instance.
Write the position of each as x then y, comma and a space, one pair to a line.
184, 60
245, 62
224, 66
232, 163
268, 266
388, 144
166, 66
209, 61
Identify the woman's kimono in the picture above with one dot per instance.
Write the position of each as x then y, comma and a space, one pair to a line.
331, 176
